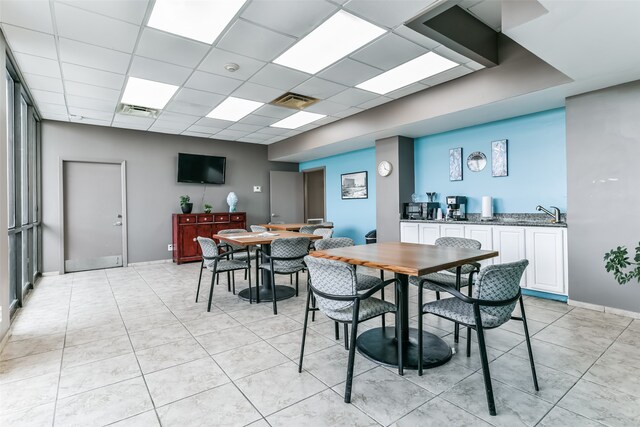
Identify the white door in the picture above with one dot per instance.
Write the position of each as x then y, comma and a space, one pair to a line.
545, 252
452, 230
409, 232
93, 215
429, 233
286, 197
509, 242
482, 234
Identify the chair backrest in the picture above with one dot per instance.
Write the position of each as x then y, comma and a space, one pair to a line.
258, 228
500, 282
209, 249
332, 243
233, 231
459, 242
308, 229
333, 278
326, 224
296, 247
326, 233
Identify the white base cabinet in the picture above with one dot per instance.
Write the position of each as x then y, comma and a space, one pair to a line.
544, 247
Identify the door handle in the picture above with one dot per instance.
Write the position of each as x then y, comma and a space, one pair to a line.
117, 224
274, 214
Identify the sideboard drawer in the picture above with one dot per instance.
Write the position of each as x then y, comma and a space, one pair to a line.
205, 218
237, 217
221, 218
187, 219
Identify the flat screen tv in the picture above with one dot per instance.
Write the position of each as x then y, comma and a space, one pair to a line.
201, 169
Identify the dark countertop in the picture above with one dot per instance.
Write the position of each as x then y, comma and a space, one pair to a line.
514, 220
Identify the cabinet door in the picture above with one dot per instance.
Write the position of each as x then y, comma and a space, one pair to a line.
429, 233
484, 235
189, 247
545, 252
509, 242
409, 232
452, 230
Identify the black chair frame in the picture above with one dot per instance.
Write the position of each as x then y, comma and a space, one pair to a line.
477, 303
271, 259
215, 260
354, 326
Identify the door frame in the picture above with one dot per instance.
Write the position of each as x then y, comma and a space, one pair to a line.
123, 183
324, 189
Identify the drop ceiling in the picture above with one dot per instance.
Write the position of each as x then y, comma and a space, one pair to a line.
76, 56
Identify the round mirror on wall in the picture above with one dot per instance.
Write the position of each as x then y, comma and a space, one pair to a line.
476, 161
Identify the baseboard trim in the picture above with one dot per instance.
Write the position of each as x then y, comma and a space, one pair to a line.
50, 273
160, 261
545, 295
604, 309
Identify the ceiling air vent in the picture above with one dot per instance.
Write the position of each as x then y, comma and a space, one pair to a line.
136, 110
294, 100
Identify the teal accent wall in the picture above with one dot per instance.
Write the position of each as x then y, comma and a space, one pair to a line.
536, 157
352, 218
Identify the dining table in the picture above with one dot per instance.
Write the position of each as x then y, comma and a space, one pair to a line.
404, 259
292, 226
264, 239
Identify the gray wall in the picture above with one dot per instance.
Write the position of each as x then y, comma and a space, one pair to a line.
152, 190
394, 189
603, 148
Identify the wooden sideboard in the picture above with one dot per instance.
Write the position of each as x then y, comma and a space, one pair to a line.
186, 227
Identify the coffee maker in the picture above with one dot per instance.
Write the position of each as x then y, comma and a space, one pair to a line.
431, 207
456, 208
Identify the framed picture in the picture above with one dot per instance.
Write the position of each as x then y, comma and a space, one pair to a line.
455, 164
499, 166
354, 185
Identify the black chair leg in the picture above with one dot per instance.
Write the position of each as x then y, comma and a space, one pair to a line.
233, 281
297, 283
352, 352
437, 295
304, 331
382, 297
273, 292
526, 334
346, 336
247, 273
218, 279
199, 279
420, 329
257, 285
337, 331
485, 363
291, 279
228, 281
211, 292
468, 342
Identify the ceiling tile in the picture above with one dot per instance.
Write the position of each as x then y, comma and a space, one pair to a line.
445, 76
185, 119
132, 11
188, 108
158, 71
388, 52
167, 47
380, 13
327, 120
416, 37
91, 114
253, 41
31, 42
196, 134
250, 140
91, 76
91, 103
42, 96
160, 129
89, 91
216, 123
56, 117
273, 111
50, 84
235, 134
57, 109
474, 65
279, 77
244, 127
274, 131
489, 12
254, 92
319, 88
212, 83
87, 121
99, 30
93, 56
198, 97
170, 125
127, 125
142, 121
349, 72
348, 112
217, 58
293, 17
375, 102
261, 121
36, 65
353, 97
35, 15
450, 54
204, 129
326, 107
407, 90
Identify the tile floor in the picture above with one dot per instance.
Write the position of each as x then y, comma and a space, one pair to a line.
129, 347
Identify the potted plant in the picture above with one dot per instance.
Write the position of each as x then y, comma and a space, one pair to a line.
617, 261
185, 204
207, 208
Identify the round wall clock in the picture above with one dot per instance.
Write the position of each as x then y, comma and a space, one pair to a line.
476, 161
384, 168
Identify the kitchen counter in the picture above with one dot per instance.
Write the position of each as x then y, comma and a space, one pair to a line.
514, 220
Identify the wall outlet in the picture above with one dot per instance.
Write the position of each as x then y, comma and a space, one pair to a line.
257, 189
170, 248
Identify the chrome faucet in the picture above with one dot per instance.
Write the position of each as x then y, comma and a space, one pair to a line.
555, 215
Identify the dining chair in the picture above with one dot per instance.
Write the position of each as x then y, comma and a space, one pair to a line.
496, 293
240, 256
286, 258
308, 229
217, 262
258, 228
335, 288
326, 233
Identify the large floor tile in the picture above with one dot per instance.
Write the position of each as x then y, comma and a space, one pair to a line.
438, 412
599, 316
613, 369
438, 379
104, 405
167, 355
152, 321
563, 359
171, 384
30, 366
86, 335
499, 338
323, 409
278, 387
581, 339
96, 350
210, 324
276, 325
227, 339
330, 365
561, 417
146, 419
460, 353
289, 344
27, 347
29, 392
221, 406
602, 404
37, 416
247, 360
385, 396
513, 407
155, 337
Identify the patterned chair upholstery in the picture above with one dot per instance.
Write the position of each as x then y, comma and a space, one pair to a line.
240, 255
364, 281
334, 286
258, 228
495, 295
326, 224
217, 262
309, 229
326, 233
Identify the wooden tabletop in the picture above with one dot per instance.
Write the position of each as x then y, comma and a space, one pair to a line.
260, 238
405, 258
292, 227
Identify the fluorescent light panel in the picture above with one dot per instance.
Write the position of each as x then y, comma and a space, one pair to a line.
195, 19
337, 37
233, 109
417, 69
298, 119
147, 93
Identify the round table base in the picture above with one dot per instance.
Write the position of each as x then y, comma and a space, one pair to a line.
381, 346
282, 293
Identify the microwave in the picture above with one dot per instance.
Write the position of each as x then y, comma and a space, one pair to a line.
412, 211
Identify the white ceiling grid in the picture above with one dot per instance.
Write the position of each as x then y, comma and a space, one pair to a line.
76, 56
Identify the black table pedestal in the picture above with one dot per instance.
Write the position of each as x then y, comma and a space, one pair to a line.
266, 294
